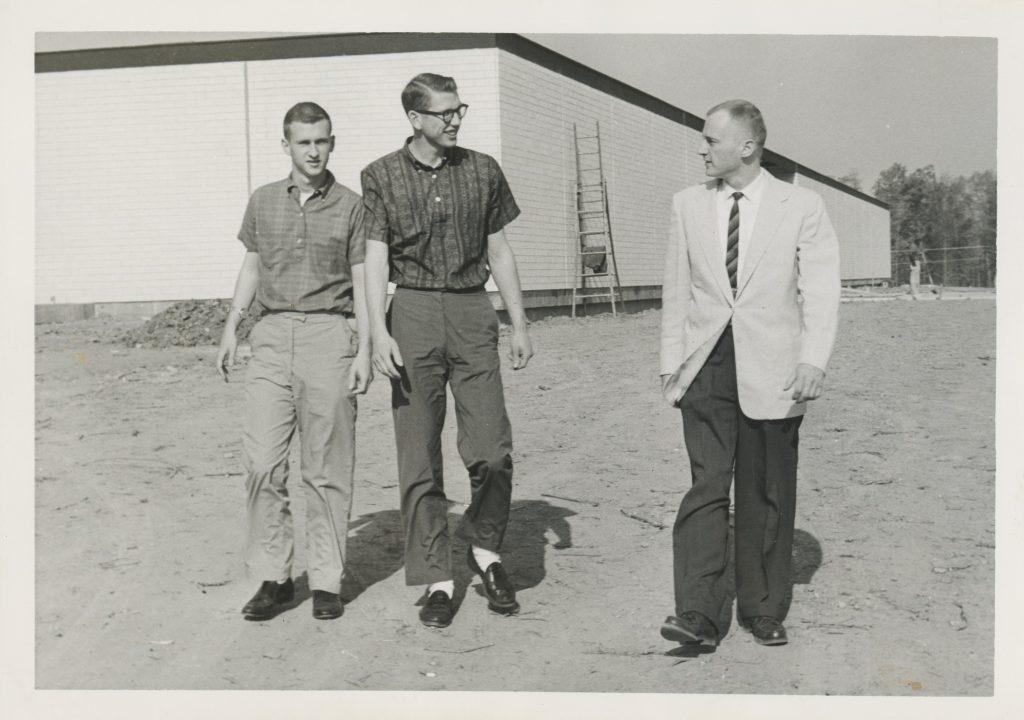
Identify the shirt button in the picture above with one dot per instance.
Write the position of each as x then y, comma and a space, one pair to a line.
437, 199
434, 177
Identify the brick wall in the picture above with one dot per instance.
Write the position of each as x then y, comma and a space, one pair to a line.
647, 158
140, 174
862, 229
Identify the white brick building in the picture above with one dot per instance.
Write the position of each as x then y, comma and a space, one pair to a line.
146, 155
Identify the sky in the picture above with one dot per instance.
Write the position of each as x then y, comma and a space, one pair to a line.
834, 103
837, 103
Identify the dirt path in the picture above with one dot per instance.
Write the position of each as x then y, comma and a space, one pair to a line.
140, 499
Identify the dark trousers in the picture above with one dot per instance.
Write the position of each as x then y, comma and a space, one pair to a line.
449, 339
762, 454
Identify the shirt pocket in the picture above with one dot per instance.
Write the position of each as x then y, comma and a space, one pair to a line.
272, 254
327, 253
275, 238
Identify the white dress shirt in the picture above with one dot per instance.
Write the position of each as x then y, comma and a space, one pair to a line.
749, 203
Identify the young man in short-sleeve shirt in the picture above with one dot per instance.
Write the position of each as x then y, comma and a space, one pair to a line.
434, 218
304, 265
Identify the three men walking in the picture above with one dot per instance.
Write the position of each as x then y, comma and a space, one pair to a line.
750, 302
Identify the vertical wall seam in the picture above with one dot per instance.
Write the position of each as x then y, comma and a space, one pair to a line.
569, 205
497, 89
248, 147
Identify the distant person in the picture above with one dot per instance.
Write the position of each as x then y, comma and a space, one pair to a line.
435, 218
311, 356
749, 312
915, 274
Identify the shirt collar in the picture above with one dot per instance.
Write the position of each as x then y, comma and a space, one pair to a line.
323, 190
751, 192
445, 159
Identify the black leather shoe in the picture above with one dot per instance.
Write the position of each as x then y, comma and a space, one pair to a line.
326, 605
269, 600
437, 611
766, 630
501, 596
690, 627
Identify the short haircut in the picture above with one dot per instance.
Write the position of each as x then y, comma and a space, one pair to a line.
746, 112
308, 113
416, 95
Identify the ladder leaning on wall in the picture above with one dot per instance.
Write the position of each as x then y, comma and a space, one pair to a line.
596, 271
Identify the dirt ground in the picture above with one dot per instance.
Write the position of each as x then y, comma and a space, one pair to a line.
139, 526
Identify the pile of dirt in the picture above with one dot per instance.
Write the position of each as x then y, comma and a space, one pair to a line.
188, 323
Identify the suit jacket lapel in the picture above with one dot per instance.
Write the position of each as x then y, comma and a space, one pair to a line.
711, 243
769, 215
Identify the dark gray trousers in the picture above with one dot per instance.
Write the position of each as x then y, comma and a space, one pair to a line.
448, 339
762, 455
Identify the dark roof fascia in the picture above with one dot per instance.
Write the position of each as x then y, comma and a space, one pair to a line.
330, 45
780, 164
556, 62
540, 55
832, 182
272, 48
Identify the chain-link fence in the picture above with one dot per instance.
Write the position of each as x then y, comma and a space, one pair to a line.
966, 266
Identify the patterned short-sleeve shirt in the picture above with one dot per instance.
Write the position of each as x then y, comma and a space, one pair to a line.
306, 250
435, 221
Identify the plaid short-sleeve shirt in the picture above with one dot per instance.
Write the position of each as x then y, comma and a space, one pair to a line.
435, 221
306, 251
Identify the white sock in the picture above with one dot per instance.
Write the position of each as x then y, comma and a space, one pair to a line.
484, 558
445, 586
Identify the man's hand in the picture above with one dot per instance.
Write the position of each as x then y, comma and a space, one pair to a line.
520, 349
386, 356
226, 353
360, 375
245, 289
807, 382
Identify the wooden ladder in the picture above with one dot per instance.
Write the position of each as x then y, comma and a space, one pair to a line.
597, 273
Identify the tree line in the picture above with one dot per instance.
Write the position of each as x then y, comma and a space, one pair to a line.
948, 222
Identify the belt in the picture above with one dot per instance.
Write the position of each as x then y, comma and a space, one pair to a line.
279, 311
454, 291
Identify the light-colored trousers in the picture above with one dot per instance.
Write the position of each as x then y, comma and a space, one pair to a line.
297, 380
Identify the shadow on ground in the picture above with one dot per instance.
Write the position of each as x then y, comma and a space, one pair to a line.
375, 548
373, 553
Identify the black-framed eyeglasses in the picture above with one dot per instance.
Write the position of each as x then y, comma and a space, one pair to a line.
447, 115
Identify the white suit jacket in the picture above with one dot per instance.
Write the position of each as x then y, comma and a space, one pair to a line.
786, 306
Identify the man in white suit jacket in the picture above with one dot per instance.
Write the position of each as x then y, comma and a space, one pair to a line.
749, 312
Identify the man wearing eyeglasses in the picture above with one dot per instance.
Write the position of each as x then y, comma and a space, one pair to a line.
435, 214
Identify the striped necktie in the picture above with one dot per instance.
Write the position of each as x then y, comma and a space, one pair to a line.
732, 247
